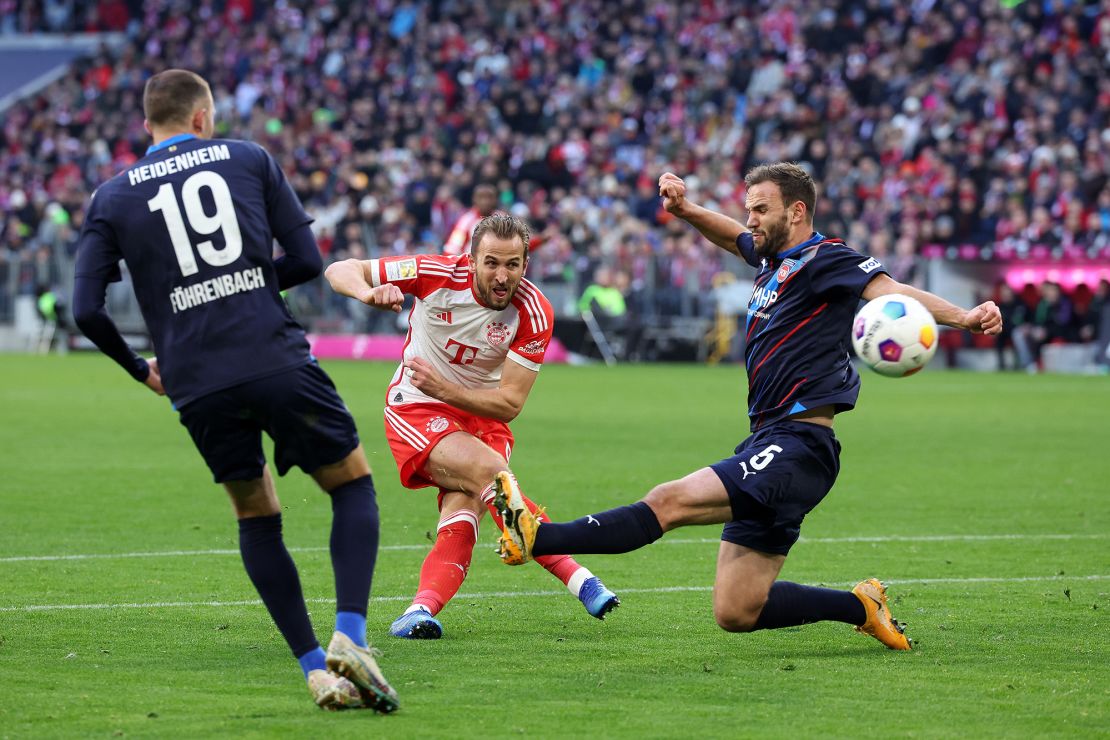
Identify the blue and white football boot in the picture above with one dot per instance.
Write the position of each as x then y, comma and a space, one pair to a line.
597, 599
416, 625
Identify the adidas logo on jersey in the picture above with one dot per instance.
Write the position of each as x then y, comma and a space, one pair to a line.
398, 398
444, 316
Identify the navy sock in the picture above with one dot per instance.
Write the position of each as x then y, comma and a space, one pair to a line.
354, 551
790, 604
622, 529
274, 575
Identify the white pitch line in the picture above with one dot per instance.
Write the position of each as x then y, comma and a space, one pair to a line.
674, 541
531, 594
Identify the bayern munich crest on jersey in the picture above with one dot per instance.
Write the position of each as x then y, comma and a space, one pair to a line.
784, 271
436, 425
497, 333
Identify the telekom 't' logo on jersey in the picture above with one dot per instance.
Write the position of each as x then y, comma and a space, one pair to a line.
464, 353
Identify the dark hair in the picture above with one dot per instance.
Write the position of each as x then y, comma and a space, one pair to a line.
794, 182
503, 226
172, 95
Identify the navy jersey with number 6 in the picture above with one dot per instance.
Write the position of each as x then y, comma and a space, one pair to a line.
797, 328
195, 221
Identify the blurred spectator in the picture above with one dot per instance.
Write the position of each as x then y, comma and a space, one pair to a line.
484, 203
949, 121
1097, 330
1052, 320
602, 297
1015, 314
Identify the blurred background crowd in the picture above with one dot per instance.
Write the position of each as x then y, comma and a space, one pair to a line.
924, 122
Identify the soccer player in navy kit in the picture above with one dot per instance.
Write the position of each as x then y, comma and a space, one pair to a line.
194, 221
799, 377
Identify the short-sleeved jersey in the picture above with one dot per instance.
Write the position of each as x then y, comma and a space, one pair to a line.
465, 341
194, 221
458, 241
798, 327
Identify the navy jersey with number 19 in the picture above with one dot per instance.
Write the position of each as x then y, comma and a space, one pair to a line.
797, 327
195, 221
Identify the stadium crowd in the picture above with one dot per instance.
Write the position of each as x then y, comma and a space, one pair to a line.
924, 122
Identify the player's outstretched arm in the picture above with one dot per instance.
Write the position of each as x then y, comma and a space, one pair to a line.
983, 319
352, 279
718, 228
503, 403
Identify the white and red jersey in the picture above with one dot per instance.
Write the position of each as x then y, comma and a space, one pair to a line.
466, 342
458, 241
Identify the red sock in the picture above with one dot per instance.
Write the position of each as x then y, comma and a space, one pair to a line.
560, 566
447, 564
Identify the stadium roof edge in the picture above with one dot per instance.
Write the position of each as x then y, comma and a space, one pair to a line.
73, 45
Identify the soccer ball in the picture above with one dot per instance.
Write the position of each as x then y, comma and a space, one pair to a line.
894, 335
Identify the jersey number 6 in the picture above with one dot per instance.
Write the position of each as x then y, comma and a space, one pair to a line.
763, 459
203, 224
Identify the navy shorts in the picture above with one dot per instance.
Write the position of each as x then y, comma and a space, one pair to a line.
775, 478
299, 409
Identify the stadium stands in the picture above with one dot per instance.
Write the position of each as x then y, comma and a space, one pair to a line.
936, 129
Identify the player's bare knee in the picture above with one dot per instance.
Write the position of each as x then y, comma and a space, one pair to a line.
737, 620
670, 503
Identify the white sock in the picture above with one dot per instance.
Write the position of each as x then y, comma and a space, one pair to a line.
417, 608
574, 584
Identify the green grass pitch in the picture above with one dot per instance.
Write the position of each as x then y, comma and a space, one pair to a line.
982, 500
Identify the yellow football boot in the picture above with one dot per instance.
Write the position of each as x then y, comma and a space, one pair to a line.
880, 623
518, 532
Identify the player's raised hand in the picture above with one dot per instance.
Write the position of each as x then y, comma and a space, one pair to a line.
426, 379
984, 319
154, 379
673, 192
386, 297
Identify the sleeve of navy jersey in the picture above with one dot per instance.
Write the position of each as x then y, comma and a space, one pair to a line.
97, 252
284, 207
843, 269
746, 245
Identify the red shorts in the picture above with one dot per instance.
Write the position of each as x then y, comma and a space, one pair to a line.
413, 429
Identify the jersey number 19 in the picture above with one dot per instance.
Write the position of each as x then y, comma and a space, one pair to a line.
224, 218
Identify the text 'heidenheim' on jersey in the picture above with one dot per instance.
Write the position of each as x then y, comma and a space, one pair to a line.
183, 298
179, 163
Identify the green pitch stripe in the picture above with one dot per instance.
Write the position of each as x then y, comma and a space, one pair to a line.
530, 594
675, 541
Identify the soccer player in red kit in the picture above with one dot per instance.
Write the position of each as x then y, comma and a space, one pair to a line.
485, 201
477, 336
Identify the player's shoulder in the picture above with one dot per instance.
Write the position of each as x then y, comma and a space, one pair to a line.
533, 304
441, 270
837, 250
237, 145
241, 149
113, 183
